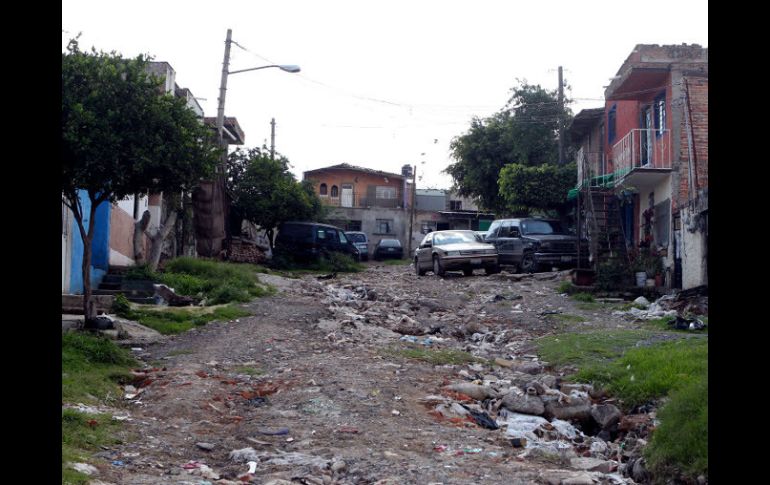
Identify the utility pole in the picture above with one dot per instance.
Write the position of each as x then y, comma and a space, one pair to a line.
559, 118
221, 105
272, 139
411, 212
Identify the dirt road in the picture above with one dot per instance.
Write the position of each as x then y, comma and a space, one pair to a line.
319, 385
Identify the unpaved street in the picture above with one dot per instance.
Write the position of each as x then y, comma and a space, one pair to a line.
316, 383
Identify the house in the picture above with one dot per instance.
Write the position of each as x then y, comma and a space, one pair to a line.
438, 210
367, 200
643, 162
113, 241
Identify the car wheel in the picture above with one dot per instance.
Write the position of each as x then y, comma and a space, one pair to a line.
437, 269
492, 269
468, 272
417, 269
528, 263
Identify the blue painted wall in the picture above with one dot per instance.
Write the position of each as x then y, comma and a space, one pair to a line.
100, 246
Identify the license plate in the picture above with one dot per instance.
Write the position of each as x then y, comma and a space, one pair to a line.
476, 261
566, 258
390, 250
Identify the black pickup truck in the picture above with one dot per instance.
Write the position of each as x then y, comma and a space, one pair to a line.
531, 243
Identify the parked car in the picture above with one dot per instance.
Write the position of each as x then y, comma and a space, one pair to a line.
531, 243
442, 251
361, 241
307, 241
388, 248
481, 234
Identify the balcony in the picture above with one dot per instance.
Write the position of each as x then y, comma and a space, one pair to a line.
363, 200
642, 157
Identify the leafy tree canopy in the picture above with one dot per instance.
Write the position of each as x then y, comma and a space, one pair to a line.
121, 134
524, 132
540, 188
266, 193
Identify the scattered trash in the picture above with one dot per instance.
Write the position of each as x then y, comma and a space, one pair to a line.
682, 323
85, 468
396, 412
191, 465
416, 340
257, 401
252, 466
519, 442
118, 463
482, 419
273, 431
205, 446
642, 301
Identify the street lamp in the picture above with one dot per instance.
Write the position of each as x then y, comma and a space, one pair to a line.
211, 227
223, 89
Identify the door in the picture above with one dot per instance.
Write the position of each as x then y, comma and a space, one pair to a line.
424, 253
347, 195
508, 243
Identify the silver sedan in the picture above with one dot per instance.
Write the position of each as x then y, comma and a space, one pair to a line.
442, 251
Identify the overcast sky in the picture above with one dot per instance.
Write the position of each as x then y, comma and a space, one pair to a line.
382, 84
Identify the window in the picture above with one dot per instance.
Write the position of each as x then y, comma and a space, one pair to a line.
335, 191
427, 227
611, 123
353, 226
322, 190
455, 205
384, 226
383, 192
660, 113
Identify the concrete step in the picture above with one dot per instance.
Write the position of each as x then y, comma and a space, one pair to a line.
127, 293
109, 286
73, 304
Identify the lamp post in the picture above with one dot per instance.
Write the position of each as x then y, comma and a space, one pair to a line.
223, 90
211, 199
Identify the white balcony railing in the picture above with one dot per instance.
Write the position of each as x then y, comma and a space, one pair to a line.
642, 149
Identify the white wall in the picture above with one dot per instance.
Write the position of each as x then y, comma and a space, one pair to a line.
694, 267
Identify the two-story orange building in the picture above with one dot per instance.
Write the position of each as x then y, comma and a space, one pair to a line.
363, 199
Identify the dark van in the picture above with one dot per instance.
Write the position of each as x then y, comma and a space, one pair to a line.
306, 241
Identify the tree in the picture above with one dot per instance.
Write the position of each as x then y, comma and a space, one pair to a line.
524, 132
265, 192
542, 188
121, 136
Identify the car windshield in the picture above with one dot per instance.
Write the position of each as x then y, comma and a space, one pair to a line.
356, 238
454, 237
390, 243
540, 227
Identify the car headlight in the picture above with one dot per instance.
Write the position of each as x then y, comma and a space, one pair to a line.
545, 245
453, 253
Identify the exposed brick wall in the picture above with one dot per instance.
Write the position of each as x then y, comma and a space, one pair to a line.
698, 94
358, 179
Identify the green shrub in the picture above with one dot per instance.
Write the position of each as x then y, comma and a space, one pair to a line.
612, 275
584, 297
141, 272
90, 349
121, 306
566, 287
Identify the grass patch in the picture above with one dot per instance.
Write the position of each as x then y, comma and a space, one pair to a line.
251, 371
662, 324
590, 306
566, 287
582, 349
566, 317
219, 282
177, 320
330, 263
584, 297
92, 367
647, 373
435, 357
397, 262
681, 440
82, 434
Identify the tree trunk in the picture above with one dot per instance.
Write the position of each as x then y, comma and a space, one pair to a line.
89, 307
139, 227
157, 239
